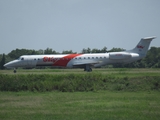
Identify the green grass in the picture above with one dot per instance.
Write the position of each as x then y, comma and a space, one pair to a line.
70, 80
102, 105
81, 71
110, 94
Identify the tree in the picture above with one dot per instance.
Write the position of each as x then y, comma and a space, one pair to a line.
88, 50
104, 50
40, 52
116, 50
50, 51
153, 57
96, 50
84, 51
14, 54
2, 62
67, 52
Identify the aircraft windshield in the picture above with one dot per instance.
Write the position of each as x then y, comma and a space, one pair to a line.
21, 58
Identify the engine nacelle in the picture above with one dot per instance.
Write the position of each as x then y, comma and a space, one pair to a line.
119, 56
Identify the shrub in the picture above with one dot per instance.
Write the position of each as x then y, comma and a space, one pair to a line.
76, 82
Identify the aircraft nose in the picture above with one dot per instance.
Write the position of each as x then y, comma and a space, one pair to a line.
11, 64
8, 65
5, 65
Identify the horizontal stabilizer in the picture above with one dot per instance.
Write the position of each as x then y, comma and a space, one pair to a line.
149, 38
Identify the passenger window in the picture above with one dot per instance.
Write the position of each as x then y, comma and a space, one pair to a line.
22, 58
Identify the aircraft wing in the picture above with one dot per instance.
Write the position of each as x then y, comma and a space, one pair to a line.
80, 63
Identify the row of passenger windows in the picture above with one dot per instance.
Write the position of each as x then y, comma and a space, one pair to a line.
23, 59
81, 58
73, 58
77, 58
90, 57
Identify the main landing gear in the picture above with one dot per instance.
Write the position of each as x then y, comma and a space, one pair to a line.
88, 68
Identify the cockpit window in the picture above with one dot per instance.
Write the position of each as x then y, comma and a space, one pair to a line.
21, 58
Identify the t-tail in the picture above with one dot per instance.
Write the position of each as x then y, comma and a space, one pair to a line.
142, 46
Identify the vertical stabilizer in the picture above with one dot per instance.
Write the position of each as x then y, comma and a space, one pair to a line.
142, 46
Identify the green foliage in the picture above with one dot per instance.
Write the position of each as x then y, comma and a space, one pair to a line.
77, 82
153, 57
68, 52
50, 51
2, 62
116, 50
14, 54
88, 50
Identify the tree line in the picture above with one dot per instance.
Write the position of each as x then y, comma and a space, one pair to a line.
152, 59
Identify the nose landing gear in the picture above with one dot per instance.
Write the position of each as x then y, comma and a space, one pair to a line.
14, 70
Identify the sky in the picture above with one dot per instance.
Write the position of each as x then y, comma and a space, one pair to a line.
77, 24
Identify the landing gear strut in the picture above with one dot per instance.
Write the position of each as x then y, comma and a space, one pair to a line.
88, 68
14, 70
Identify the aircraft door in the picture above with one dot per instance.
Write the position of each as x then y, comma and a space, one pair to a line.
22, 61
31, 62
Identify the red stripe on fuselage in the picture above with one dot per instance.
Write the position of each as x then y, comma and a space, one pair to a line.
64, 60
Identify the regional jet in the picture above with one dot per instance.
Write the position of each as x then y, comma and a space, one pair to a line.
86, 61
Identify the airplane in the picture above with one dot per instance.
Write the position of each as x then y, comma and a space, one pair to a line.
86, 61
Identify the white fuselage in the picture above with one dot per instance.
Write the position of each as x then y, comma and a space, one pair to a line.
73, 60
86, 61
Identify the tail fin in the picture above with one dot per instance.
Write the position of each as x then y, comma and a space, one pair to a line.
142, 46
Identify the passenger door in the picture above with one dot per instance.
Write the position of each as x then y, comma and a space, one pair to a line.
31, 62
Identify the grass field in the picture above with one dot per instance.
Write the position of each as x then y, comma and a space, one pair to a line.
102, 105
134, 71
136, 99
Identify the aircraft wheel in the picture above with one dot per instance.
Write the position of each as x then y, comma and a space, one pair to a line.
89, 70
14, 71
